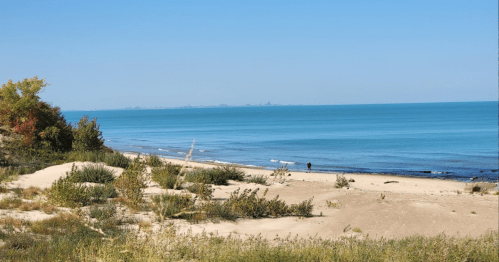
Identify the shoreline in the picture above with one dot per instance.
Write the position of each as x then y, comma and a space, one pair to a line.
364, 181
251, 167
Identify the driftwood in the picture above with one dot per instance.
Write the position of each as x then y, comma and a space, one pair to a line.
391, 182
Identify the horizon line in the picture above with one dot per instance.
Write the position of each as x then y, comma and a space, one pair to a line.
265, 105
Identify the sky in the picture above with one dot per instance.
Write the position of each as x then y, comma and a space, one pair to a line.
118, 54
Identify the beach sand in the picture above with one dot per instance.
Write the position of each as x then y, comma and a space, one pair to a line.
410, 205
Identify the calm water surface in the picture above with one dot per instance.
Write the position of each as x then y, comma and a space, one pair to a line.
445, 140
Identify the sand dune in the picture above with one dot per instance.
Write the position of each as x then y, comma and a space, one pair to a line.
410, 206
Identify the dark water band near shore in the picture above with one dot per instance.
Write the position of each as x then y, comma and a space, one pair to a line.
439, 140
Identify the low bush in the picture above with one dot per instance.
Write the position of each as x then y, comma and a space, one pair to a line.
217, 176
203, 190
91, 173
117, 159
166, 176
103, 213
248, 204
341, 181
153, 161
131, 184
100, 193
173, 205
68, 194
257, 179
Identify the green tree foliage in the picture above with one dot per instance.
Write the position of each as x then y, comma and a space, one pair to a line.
39, 125
87, 136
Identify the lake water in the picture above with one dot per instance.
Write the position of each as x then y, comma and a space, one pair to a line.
445, 140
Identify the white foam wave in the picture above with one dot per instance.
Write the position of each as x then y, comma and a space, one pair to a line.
273, 160
161, 149
287, 162
182, 153
201, 150
222, 162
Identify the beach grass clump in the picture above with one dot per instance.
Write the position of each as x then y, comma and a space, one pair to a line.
341, 181
10, 203
166, 176
217, 176
102, 212
257, 179
249, 205
95, 173
153, 161
31, 192
204, 191
131, 184
173, 205
85, 156
68, 194
117, 159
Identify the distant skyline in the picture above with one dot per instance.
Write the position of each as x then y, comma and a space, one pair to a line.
108, 55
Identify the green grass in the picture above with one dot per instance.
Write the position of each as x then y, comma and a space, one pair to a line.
166, 176
217, 176
257, 179
91, 173
170, 205
169, 246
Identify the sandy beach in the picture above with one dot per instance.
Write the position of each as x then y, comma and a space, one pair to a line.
403, 207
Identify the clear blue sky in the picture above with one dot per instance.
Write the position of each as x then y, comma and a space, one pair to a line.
115, 54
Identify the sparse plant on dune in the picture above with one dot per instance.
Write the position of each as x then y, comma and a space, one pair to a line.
153, 161
341, 181
166, 175
257, 179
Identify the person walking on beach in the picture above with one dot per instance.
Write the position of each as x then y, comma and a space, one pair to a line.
309, 166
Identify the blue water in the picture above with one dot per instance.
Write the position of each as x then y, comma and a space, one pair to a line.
443, 140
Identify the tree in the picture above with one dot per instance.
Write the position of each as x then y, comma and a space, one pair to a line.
40, 125
87, 136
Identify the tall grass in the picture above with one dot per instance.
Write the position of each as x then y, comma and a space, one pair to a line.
169, 246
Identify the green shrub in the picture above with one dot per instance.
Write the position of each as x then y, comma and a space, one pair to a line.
166, 176
91, 173
131, 184
103, 213
303, 209
100, 193
216, 176
87, 136
153, 161
257, 179
68, 194
203, 190
117, 159
170, 205
248, 204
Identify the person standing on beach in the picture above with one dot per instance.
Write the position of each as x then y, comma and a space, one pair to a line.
309, 166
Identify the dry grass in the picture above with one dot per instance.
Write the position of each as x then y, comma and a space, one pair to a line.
341, 181
31, 192
12, 222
